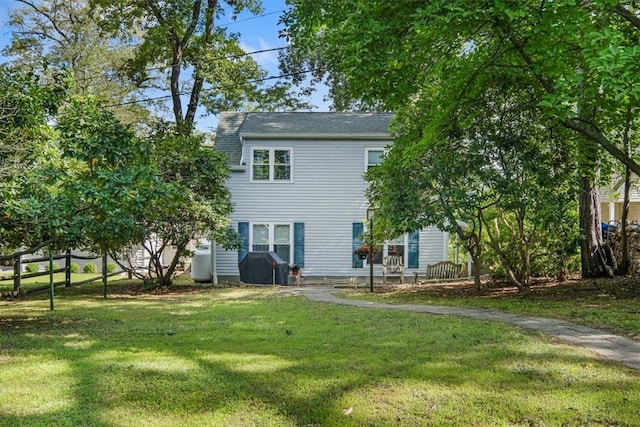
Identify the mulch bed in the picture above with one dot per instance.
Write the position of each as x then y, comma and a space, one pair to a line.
619, 287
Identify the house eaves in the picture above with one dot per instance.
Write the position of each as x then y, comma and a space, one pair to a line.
234, 128
323, 136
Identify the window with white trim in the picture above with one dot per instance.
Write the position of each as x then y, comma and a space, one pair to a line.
271, 164
373, 157
272, 237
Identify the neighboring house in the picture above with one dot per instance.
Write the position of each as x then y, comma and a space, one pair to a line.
298, 188
612, 199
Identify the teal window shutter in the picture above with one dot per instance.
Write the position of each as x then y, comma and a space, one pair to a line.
358, 229
243, 232
298, 243
414, 250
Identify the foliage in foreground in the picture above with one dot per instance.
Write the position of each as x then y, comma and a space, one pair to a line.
246, 356
195, 203
79, 179
91, 183
576, 65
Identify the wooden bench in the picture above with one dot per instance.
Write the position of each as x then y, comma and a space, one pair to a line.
442, 270
392, 264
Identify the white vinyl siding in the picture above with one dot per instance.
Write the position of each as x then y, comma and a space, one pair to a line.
328, 196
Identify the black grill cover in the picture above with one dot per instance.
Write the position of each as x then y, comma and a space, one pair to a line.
258, 268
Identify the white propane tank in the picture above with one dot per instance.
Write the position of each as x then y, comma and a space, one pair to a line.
201, 264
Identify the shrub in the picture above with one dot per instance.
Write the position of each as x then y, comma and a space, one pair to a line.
90, 268
112, 267
55, 266
32, 267
74, 267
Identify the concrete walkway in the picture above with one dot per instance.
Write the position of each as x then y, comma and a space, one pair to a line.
607, 345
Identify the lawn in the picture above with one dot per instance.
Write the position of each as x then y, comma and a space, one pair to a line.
609, 304
31, 283
192, 356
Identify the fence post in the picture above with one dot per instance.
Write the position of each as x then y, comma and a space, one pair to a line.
104, 275
67, 271
17, 269
51, 286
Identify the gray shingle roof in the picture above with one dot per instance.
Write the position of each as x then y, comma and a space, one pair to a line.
228, 135
231, 125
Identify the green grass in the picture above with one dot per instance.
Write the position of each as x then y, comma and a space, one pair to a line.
610, 305
203, 356
35, 282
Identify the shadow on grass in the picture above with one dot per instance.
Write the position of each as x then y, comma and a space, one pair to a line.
248, 357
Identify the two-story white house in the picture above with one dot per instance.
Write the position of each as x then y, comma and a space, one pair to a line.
298, 188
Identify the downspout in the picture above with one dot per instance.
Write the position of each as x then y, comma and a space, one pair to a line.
242, 159
214, 270
445, 255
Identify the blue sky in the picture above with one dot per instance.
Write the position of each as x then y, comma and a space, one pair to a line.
257, 33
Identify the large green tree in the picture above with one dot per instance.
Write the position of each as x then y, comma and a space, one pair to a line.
389, 55
493, 176
25, 108
126, 50
179, 37
175, 47
75, 176
54, 36
191, 203
83, 179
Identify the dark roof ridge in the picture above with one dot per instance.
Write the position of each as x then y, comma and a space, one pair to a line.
343, 125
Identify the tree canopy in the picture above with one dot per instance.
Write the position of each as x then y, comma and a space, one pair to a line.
62, 36
389, 54
74, 176
429, 61
81, 176
492, 174
192, 202
181, 36
155, 183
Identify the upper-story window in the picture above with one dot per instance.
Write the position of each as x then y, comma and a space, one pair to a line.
374, 157
271, 164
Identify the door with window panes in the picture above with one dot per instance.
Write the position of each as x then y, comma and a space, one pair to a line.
391, 247
396, 247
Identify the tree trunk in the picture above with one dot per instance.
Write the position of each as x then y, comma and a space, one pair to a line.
196, 90
623, 268
474, 248
591, 249
175, 83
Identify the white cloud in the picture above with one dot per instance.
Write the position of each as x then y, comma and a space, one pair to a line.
268, 60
